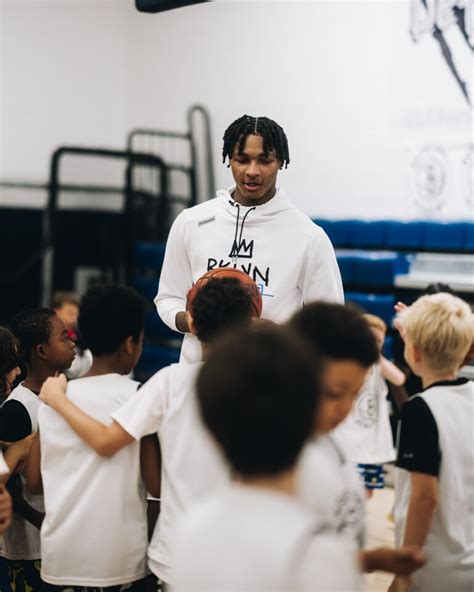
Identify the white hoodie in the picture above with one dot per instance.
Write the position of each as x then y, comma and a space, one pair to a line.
290, 258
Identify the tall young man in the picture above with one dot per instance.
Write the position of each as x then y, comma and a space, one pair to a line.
253, 227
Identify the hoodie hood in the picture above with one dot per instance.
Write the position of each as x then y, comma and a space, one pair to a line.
248, 216
277, 204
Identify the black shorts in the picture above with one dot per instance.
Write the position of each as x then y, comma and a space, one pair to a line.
138, 586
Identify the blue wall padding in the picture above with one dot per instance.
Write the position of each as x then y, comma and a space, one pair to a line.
146, 286
368, 234
339, 231
469, 236
445, 236
405, 235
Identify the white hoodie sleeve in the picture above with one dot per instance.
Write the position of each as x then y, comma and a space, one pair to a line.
320, 278
176, 278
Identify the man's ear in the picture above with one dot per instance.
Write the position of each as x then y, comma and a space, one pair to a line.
40, 351
191, 325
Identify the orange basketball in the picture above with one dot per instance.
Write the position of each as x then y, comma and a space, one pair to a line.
221, 272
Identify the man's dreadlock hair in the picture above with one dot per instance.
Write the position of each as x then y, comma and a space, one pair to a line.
273, 136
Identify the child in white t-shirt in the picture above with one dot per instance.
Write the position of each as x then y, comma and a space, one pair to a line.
94, 534
45, 349
434, 480
366, 431
328, 481
258, 393
66, 306
192, 467
9, 459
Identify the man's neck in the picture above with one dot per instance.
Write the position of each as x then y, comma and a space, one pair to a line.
248, 203
283, 482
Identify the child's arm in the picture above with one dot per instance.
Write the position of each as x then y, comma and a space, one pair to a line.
34, 482
22, 507
150, 459
421, 509
5, 509
14, 453
402, 561
391, 373
105, 440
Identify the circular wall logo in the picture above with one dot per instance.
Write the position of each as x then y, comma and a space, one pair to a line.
429, 177
468, 175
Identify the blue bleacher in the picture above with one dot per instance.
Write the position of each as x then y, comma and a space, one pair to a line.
146, 286
371, 268
162, 345
376, 304
155, 328
149, 255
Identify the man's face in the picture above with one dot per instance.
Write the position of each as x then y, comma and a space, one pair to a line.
342, 380
59, 350
254, 173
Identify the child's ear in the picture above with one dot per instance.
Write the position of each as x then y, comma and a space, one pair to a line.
129, 345
191, 325
40, 351
417, 354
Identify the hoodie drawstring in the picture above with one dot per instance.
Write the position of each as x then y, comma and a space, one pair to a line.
237, 245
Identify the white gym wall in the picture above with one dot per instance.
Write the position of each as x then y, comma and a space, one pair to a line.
377, 126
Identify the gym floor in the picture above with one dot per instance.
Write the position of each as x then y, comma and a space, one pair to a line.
380, 534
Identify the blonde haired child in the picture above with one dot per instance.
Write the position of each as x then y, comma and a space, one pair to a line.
434, 484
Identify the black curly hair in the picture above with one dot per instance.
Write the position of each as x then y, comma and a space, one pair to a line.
258, 394
108, 314
337, 332
273, 136
9, 356
31, 327
220, 304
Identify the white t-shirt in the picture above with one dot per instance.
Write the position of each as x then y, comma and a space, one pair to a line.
249, 539
192, 466
366, 432
330, 486
95, 529
22, 539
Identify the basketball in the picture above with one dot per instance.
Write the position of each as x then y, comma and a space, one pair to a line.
221, 272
